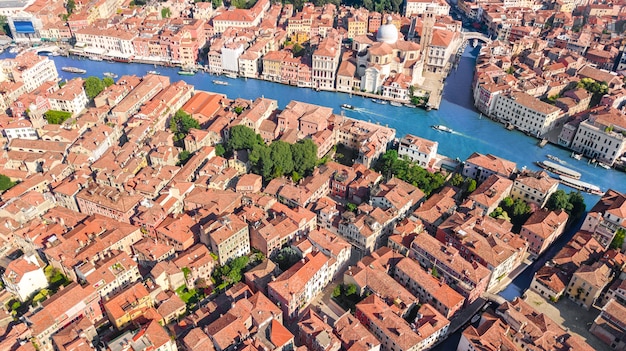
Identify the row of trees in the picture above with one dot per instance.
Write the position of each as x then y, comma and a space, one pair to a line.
277, 159
389, 164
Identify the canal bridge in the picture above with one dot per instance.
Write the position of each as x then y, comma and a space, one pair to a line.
468, 36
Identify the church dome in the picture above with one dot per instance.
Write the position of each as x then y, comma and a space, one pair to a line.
387, 33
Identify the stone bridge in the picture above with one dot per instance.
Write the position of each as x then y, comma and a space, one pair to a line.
467, 36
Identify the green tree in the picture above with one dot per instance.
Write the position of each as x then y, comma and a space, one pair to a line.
108, 81
559, 200
337, 291
618, 239
350, 289
216, 3
351, 207
304, 154
282, 157
295, 177
242, 137
70, 6
56, 117
183, 157
181, 123
297, 50
5, 183
166, 12
238, 110
261, 161
471, 185
578, 206
219, 150
93, 87
456, 180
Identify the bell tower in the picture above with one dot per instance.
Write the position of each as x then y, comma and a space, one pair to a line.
428, 23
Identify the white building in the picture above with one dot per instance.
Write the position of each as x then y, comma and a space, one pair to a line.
31, 69
534, 187
417, 149
24, 276
249, 64
325, 63
601, 137
418, 7
527, 113
22, 129
110, 42
230, 57
70, 98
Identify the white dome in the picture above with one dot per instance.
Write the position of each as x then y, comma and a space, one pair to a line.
387, 33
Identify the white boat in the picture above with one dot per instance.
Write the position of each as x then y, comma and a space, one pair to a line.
378, 101
397, 104
154, 72
441, 128
555, 159
558, 169
219, 82
95, 58
579, 185
109, 74
410, 106
74, 70
604, 165
231, 75
347, 106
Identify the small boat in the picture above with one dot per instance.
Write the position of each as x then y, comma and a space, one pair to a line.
441, 128
186, 73
74, 70
396, 104
558, 169
410, 106
555, 159
219, 82
154, 72
604, 165
231, 75
577, 156
347, 107
95, 58
378, 101
109, 74
509, 126
578, 185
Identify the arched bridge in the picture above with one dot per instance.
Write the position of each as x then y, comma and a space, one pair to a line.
50, 48
476, 35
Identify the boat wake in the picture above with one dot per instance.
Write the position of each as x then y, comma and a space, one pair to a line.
369, 112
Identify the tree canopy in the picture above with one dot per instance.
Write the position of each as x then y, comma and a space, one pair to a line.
389, 164
243, 137
598, 89
108, 81
181, 123
56, 117
93, 87
572, 203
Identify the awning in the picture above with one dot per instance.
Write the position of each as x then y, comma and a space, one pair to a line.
24, 27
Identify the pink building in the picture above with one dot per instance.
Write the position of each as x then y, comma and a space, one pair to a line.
542, 229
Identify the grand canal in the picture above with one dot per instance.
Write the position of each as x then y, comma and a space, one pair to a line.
472, 132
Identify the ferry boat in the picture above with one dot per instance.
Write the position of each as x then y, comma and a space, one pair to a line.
186, 73
396, 104
154, 72
578, 185
220, 82
109, 74
441, 128
347, 106
555, 159
379, 101
74, 70
576, 156
558, 169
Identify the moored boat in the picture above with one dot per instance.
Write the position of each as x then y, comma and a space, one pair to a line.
186, 73
579, 185
154, 72
109, 74
347, 106
379, 101
441, 128
95, 58
576, 156
558, 169
397, 104
74, 70
604, 165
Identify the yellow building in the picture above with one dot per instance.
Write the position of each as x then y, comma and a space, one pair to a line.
357, 25
587, 284
131, 303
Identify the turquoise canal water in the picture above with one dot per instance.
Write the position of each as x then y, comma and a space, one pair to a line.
472, 132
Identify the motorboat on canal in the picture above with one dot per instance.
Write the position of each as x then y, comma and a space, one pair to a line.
347, 107
442, 128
